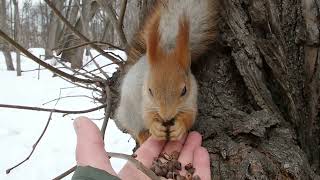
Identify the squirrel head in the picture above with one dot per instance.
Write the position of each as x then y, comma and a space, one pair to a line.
168, 84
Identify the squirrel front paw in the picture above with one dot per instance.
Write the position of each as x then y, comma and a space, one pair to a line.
182, 123
158, 130
170, 130
177, 130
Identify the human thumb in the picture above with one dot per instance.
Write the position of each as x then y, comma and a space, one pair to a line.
90, 146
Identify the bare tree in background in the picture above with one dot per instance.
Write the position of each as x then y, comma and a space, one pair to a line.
87, 9
4, 47
17, 34
54, 30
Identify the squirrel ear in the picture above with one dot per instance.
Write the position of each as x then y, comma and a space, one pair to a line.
153, 39
182, 51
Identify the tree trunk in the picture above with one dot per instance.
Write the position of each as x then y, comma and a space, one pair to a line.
259, 91
17, 34
53, 31
3, 45
88, 10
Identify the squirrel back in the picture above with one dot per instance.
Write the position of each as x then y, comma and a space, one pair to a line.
203, 19
159, 92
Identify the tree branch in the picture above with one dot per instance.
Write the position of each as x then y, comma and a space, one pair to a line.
107, 112
122, 12
137, 163
69, 171
42, 63
87, 43
81, 36
51, 110
34, 145
112, 16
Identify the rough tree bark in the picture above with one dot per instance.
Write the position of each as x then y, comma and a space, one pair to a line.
4, 47
259, 91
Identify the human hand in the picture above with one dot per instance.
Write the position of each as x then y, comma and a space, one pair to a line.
90, 152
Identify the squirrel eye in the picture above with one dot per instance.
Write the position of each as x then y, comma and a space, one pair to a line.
150, 92
184, 91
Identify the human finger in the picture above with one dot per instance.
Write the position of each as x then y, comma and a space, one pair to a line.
172, 146
201, 163
193, 142
150, 149
90, 146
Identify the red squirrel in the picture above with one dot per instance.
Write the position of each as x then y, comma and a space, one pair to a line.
159, 92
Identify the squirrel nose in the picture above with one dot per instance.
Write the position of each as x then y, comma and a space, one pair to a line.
166, 115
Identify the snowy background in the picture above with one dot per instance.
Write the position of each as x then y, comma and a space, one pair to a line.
19, 129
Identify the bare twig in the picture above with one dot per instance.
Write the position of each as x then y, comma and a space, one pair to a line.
137, 163
101, 67
51, 110
34, 145
87, 43
41, 69
98, 67
122, 12
107, 112
77, 72
81, 36
42, 63
115, 55
113, 18
64, 97
85, 87
69, 171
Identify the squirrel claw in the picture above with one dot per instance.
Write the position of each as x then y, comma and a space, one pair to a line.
177, 130
158, 130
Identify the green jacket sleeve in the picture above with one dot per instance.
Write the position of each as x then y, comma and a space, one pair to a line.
90, 173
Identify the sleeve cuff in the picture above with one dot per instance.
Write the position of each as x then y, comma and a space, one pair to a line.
91, 173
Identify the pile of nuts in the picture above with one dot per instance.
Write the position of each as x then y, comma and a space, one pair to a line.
168, 167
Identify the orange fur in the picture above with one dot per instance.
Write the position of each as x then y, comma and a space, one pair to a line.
143, 136
176, 65
154, 50
168, 73
182, 44
137, 46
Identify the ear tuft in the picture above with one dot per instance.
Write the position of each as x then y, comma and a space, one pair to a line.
182, 50
153, 38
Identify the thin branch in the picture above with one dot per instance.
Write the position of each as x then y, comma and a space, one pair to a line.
97, 65
34, 145
85, 87
78, 72
113, 18
101, 67
65, 173
41, 69
87, 43
64, 97
113, 54
137, 163
51, 110
107, 111
81, 36
42, 63
122, 12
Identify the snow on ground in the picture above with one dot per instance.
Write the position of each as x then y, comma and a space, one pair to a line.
19, 129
